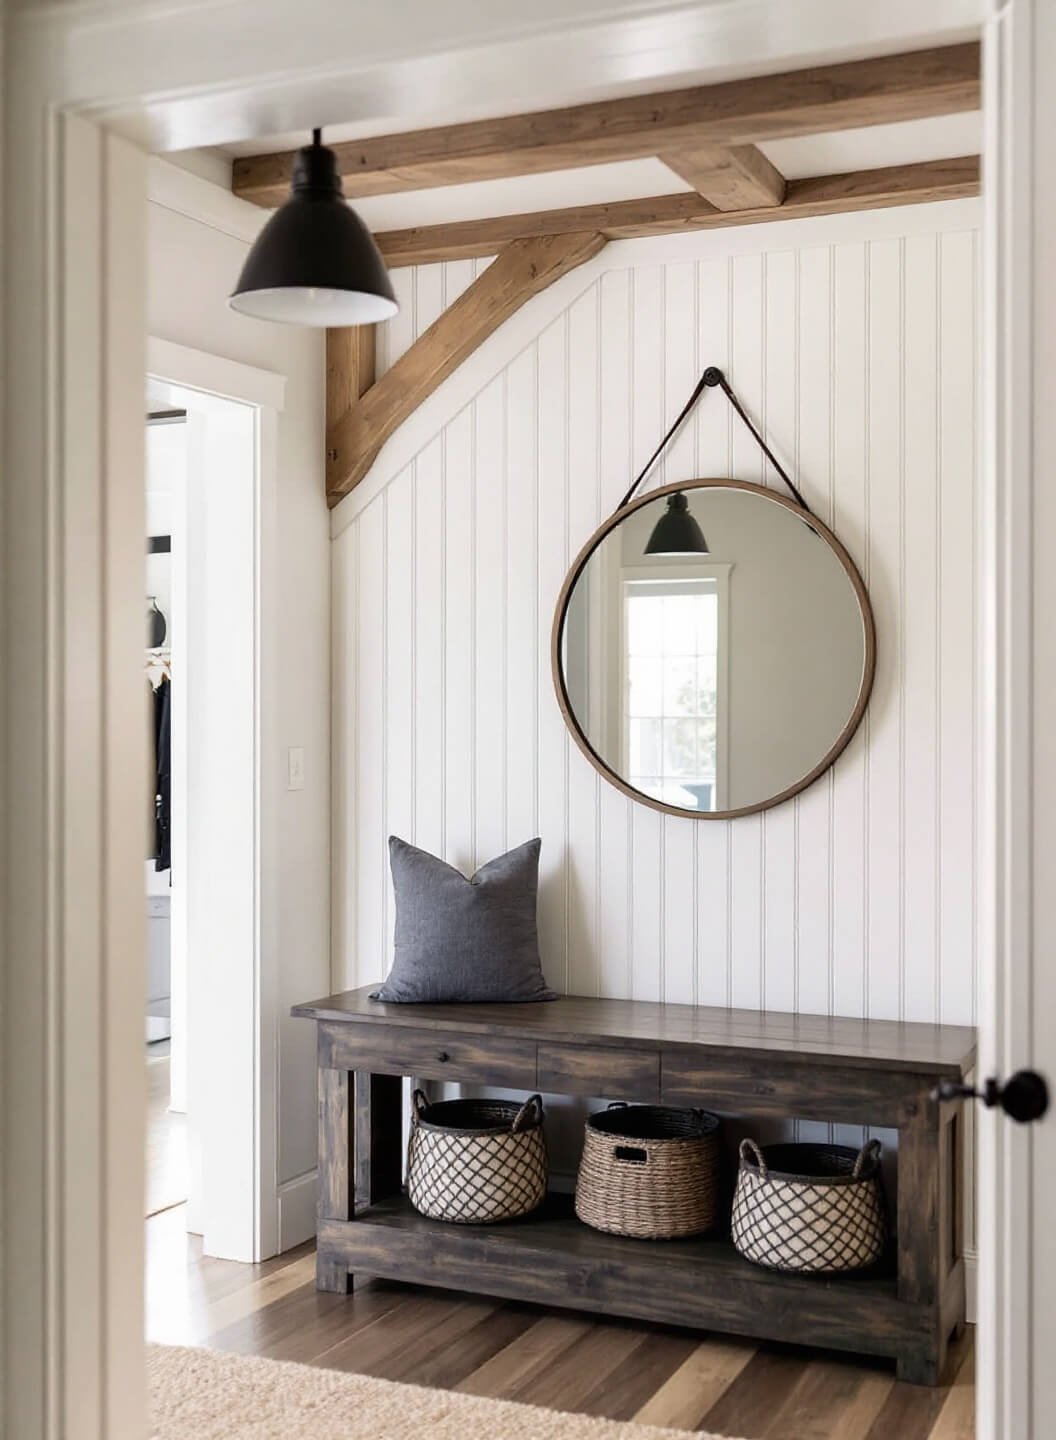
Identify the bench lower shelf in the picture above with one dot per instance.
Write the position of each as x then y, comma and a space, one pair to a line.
551, 1258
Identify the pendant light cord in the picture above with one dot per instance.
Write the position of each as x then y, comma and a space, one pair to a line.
711, 378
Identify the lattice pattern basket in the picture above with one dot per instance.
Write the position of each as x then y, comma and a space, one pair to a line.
649, 1171
475, 1162
816, 1209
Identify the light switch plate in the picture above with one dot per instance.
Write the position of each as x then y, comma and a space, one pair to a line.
295, 767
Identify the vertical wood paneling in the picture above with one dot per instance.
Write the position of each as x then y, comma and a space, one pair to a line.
372, 751
458, 699
856, 898
489, 600
850, 851
344, 751
747, 856
553, 744
521, 598
429, 650
815, 808
884, 754
682, 365
919, 678
400, 605
957, 345
648, 362
714, 439
583, 514
780, 938
616, 894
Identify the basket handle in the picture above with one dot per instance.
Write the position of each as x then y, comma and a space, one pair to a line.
419, 1105
529, 1115
752, 1155
868, 1152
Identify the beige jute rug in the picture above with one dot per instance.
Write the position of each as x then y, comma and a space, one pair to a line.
210, 1395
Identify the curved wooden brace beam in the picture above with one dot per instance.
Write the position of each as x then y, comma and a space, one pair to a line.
357, 430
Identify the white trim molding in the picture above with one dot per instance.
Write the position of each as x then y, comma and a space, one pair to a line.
215, 375
235, 1192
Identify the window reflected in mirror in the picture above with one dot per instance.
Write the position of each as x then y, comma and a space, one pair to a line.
718, 681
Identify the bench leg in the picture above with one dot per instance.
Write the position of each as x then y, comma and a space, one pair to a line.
928, 1197
921, 1365
334, 1186
332, 1276
359, 1154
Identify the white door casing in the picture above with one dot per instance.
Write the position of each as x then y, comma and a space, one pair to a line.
224, 836
1017, 523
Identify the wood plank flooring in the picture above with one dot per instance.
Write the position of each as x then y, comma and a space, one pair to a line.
620, 1369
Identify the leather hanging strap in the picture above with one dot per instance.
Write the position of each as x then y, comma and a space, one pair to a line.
711, 378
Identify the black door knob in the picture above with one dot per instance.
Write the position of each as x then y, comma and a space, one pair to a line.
1023, 1097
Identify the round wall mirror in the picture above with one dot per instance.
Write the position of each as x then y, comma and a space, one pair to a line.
713, 648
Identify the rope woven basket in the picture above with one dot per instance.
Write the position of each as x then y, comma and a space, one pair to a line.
649, 1171
815, 1209
475, 1162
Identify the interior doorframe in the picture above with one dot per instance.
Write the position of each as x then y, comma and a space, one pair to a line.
72, 1088
233, 1009
1017, 520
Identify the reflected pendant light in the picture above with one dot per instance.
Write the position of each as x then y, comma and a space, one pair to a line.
315, 262
677, 532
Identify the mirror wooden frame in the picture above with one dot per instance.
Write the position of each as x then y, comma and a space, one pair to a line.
868, 667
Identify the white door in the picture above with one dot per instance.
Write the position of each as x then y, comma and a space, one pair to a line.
1017, 536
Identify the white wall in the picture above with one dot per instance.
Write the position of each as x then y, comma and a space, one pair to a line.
193, 267
853, 341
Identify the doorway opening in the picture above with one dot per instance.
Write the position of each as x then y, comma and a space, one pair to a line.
166, 469
205, 1112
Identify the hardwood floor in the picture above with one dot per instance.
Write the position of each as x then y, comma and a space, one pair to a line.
619, 1369
166, 1137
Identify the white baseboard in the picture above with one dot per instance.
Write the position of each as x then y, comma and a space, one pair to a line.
971, 1266
296, 1210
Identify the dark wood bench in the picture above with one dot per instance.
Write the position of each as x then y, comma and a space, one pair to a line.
737, 1062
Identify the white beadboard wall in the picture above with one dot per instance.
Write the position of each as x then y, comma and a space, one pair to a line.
854, 342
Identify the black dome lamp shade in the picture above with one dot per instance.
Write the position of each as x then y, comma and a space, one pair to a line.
677, 532
315, 262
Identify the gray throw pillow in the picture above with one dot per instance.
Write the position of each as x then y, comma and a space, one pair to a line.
468, 940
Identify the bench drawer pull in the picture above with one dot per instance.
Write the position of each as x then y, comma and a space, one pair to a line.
443, 1056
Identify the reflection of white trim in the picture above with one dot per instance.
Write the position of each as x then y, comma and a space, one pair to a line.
693, 571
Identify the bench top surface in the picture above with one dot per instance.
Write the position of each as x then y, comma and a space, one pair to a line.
649, 1025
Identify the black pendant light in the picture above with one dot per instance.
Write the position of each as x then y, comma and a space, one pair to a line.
315, 262
677, 532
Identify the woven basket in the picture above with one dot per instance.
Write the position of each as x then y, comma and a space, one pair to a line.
474, 1162
649, 1171
811, 1208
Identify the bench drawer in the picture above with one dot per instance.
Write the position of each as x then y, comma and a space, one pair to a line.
430, 1054
600, 1070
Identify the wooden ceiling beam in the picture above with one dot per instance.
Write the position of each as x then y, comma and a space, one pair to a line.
522, 270
733, 177
857, 93
663, 214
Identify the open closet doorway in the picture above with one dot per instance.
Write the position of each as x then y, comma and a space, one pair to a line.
166, 471
211, 1126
